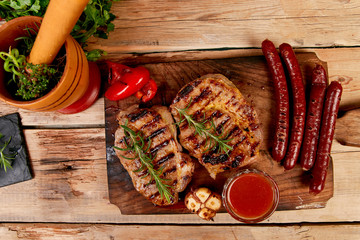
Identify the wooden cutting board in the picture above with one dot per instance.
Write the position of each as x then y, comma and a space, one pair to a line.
251, 76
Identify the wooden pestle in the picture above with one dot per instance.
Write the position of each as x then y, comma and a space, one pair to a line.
60, 18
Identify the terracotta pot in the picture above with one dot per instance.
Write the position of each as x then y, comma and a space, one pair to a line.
70, 87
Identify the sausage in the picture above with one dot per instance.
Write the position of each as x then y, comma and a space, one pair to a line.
281, 100
313, 117
299, 105
331, 108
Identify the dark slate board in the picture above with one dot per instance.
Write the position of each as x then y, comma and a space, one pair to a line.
10, 126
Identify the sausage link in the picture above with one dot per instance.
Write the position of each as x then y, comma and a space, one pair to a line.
281, 100
299, 105
331, 108
313, 117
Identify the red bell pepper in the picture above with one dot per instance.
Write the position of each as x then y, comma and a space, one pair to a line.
125, 81
116, 71
126, 84
147, 93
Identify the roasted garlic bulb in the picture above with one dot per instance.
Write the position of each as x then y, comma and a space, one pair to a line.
203, 202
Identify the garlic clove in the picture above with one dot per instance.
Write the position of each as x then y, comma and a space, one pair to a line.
203, 194
206, 214
191, 203
213, 202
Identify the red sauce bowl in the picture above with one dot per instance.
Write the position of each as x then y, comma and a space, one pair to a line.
250, 196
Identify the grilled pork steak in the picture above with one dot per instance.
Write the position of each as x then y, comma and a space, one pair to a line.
215, 98
156, 124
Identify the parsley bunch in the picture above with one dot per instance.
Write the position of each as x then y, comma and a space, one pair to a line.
10, 9
96, 20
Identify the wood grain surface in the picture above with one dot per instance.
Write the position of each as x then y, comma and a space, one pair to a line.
155, 25
50, 197
11, 231
252, 78
68, 151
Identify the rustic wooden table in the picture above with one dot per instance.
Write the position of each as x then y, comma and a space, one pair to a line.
69, 198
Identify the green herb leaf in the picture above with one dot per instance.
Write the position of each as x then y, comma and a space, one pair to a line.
5, 159
213, 140
96, 19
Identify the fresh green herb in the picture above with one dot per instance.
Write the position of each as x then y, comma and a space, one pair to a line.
207, 129
96, 20
136, 145
30, 81
12, 9
5, 159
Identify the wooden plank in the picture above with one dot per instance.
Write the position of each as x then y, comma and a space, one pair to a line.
252, 78
347, 128
70, 185
175, 26
91, 117
11, 231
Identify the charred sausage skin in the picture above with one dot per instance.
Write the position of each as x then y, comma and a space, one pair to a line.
313, 117
273, 60
331, 108
299, 105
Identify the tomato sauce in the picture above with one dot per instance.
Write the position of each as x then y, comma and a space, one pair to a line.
251, 196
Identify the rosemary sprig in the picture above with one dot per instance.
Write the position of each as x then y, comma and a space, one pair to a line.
136, 145
5, 159
213, 140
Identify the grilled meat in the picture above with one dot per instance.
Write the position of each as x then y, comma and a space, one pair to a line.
215, 98
156, 124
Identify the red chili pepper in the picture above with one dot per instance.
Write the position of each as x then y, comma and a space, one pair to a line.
147, 92
128, 83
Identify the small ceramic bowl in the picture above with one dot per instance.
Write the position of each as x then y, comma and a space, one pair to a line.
71, 86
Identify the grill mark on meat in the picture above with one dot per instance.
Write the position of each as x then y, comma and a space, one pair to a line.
154, 195
220, 127
196, 114
186, 91
183, 163
156, 119
165, 159
193, 140
143, 173
237, 160
153, 150
216, 114
157, 132
171, 170
253, 147
254, 126
204, 93
234, 131
184, 125
138, 115
186, 177
214, 159
247, 111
